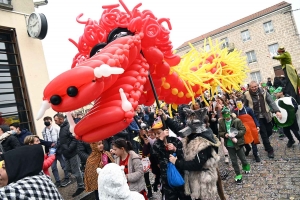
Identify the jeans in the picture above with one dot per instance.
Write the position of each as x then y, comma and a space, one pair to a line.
73, 165
61, 160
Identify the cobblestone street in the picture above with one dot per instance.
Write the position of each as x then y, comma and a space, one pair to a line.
277, 178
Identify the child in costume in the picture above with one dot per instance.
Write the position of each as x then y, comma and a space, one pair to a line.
246, 115
98, 159
235, 149
290, 106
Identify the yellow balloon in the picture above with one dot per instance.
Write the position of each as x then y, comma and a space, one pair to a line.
174, 91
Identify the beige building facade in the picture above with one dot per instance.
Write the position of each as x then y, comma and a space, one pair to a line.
257, 36
23, 71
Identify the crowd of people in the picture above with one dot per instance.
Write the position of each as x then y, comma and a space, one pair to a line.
189, 137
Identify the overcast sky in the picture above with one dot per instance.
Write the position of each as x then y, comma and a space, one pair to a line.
189, 19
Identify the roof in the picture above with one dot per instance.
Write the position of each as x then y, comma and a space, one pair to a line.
238, 22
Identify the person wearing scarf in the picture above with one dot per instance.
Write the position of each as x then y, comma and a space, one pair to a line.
262, 104
21, 175
97, 159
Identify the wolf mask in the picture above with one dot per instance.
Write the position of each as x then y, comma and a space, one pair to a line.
195, 121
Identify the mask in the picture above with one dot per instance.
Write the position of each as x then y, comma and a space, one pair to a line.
13, 132
239, 105
47, 123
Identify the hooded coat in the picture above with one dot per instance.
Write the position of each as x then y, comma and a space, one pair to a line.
93, 162
25, 178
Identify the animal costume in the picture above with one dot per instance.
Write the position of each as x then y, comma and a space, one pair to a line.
93, 162
112, 184
200, 158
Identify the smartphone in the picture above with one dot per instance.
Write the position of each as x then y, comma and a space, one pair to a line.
52, 151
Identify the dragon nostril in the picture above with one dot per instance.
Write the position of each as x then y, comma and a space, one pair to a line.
72, 91
55, 100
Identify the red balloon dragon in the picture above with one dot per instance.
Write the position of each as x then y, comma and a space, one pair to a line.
115, 56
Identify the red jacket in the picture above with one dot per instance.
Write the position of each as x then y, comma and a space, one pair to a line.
48, 160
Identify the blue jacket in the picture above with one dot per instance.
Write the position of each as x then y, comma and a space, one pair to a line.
247, 110
25, 133
22, 135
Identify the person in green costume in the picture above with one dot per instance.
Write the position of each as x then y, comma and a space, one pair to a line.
234, 147
290, 73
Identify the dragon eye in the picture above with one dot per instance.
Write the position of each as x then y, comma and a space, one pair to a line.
72, 91
55, 100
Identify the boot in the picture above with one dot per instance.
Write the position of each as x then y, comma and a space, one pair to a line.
149, 189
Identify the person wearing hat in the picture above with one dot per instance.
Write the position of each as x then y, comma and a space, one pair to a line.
292, 78
21, 175
200, 156
290, 105
234, 144
162, 148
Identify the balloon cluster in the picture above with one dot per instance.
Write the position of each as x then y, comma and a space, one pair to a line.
155, 43
201, 70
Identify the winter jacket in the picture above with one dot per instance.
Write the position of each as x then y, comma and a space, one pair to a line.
8, 141
159, 150
200, 164
83, 150
135, 174
48, 160
67, 142
235, 123
23, 135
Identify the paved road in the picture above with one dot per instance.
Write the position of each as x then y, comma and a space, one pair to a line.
277, 178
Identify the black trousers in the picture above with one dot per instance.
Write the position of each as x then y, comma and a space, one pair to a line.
265, 132
295, 128
254, 148
174, 193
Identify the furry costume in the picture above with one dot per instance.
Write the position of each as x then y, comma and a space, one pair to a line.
201, 184
112, 184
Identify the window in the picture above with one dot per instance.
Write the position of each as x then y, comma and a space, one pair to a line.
268, 27
273, 49
255, 76
14, 101
224, 43
245, 35
4, 1
251, 57
207, 48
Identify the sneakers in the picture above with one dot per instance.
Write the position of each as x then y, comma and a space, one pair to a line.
65, 182
290, 143
78, 192
246, 169
226, 159
238, 179
57, 184
271, 154
257, 159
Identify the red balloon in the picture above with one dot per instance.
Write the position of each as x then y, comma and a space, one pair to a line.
163, 69
153, 55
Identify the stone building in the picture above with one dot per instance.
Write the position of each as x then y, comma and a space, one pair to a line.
257, 36
23, 71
